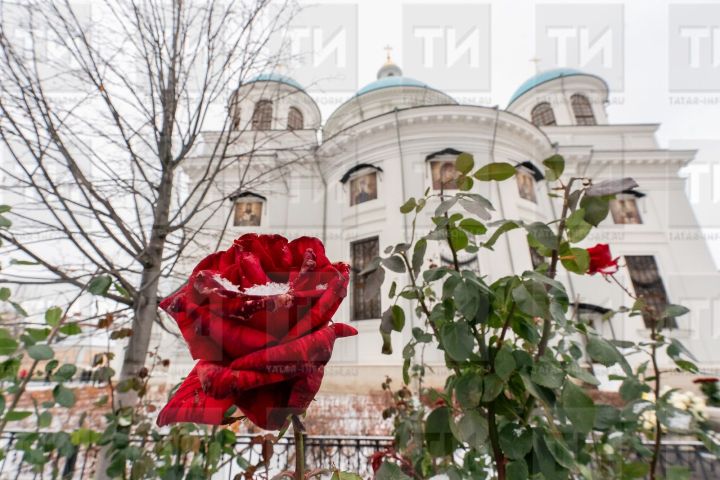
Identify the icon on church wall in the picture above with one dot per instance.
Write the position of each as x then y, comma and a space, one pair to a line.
444, 175
247, 214
526, 185
363, 188
624, 210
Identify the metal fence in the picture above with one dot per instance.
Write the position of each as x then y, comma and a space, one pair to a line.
346, 453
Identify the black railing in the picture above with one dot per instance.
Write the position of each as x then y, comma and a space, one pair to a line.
346, 453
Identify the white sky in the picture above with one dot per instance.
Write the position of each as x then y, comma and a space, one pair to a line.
646, 29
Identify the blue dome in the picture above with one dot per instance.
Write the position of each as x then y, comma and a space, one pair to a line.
543, 77
386, 82
276, 77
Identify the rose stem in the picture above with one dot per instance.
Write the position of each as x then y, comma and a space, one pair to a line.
298, 430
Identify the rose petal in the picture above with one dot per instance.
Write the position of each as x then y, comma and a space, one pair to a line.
191, 404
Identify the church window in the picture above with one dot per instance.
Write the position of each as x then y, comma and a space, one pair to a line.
365, 304
363, 188
648, 285
582, 110
444, 175
262, 116
295, 119
543, 115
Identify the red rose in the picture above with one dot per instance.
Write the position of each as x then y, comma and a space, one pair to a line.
601, 260
257, 317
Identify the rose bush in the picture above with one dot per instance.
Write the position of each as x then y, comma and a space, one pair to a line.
258, 318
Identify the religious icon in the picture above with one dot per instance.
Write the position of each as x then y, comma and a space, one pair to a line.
247, 214
444, 175
526, 185
363, 188
624, 210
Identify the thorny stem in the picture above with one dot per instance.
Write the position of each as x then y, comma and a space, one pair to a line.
298, 430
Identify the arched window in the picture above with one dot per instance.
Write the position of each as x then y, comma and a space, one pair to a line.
542, 115
262, 116
582, 110
295, 119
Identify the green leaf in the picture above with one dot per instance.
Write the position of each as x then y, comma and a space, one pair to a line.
467, 299
53, 316
532, 298
472, 429
464, 183
5, 222
517, 470
16, 415
504, 363
576, 371
44, 419
602, 352
543, 234
398, 318
5, 208
70, 329
64, 396
576, 261
4, 294
394, 263
503, 228
408, 206
418, 256
555, 167
100, 285
677, 472
495, 171
515, 441
390, 471
468, 390
40, 352
438, 437
635, 470
596, 209
492, 386
65, 372
19, 309
8, 346
338, 475
578, 407
547, 374
560, 452
477, 205
673, 311
464, 163
473, 226
458, 239
84, 436
457, 340
577, 227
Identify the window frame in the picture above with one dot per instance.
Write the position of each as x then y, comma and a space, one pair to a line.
297, 113
263, 119
582, 110
369, 311
640, 289
544, 118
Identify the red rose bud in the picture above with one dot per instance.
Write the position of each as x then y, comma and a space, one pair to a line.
601, 260
257, 318
23, 373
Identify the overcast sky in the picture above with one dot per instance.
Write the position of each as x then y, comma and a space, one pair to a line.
661, 60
